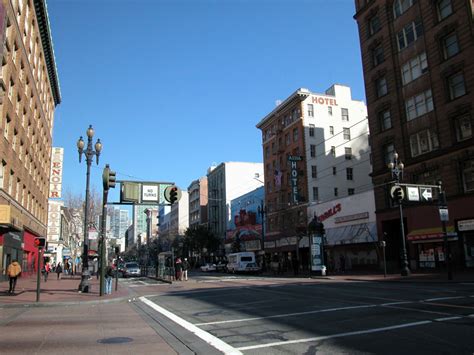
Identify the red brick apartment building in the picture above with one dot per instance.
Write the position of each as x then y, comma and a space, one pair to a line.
418, 66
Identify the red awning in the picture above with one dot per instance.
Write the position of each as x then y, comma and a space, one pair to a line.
430, 233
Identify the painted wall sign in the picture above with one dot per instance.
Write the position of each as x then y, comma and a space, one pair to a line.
323, 101
331, 212
56, 174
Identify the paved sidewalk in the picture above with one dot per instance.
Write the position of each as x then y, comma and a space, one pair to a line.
54, 291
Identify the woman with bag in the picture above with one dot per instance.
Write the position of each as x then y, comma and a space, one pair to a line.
59, 270
13, 271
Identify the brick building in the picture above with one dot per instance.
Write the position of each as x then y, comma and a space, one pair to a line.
29, 93
419, 82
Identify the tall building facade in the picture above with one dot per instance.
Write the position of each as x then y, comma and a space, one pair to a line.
315, 149
29, 94
419, 82
197, 192
225, 182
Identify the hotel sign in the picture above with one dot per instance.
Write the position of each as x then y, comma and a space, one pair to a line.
293, 159
56, 175
54, 220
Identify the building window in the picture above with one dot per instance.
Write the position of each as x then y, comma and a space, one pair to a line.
333, 151
315, 194
312, 149
381, 87
450, 45
330, 110
400, 6
348, 153
468, 175
331, 130
314, 172
388, 152
444, 8
456, 86
414, 68
334, 170
374, 25
2, 174
419, 105
385, 120
345, 114
347, 133
423, 142
377, 55
463, 128
409, 34
311, 130
350, 192
336, 192
349, 174
6, 130
295, 135
310, 110
287, 139
10, 90
10, 183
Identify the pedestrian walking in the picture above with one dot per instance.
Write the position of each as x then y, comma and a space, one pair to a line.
67, 268
45, 271
109, 275
185, 269
179, 268
13, 271
59, 270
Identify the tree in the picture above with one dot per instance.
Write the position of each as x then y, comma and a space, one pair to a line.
76, 202
199, 238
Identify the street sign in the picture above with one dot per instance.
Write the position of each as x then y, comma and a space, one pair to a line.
413, 193
295, 158
397, 193
426, 193
443, 214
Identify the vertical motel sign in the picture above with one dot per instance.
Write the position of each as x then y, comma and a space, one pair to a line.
293, 160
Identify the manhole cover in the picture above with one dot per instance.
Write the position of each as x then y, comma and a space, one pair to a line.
115, 340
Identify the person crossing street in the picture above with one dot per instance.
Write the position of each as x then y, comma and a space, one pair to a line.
13, 271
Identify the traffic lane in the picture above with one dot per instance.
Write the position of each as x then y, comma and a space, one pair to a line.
201, 307
431, 338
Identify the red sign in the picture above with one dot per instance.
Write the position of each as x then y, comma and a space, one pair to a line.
331, 212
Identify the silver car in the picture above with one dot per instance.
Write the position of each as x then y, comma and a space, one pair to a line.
131, 269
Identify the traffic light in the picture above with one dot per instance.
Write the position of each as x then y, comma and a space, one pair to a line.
108, 178
40, 243
173, 194
397, 193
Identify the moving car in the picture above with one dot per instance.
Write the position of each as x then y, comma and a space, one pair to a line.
221, 267
208, 267
131, 269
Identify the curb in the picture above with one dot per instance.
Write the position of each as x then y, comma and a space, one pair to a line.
65, 303
414, 281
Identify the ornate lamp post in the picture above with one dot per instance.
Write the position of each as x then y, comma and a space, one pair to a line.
262, 211
89, 154
396, 167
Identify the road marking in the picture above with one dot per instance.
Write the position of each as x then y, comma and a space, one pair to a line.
396, 303
447, 318
449, 305
419, 310
285, 315
443, 298
340, 335
207, 337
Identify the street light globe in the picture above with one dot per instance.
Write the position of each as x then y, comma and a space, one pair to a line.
401, 166
395, 155
80, 143
98, 146
90, 132
391, 165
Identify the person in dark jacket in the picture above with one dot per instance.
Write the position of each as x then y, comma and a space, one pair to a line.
185, 270
59, 270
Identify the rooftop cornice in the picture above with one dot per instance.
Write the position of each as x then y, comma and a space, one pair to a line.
46, 39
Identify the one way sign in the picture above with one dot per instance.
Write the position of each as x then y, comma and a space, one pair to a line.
426, 194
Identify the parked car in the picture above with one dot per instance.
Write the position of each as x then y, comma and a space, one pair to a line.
252, 268
131, 269
209, 267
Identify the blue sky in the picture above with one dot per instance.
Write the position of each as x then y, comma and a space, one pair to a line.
172, 86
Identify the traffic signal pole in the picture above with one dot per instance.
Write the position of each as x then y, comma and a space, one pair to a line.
38, 276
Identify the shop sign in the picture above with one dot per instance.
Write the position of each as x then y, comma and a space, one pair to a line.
352, 217
269, 245
331, 212
466, 225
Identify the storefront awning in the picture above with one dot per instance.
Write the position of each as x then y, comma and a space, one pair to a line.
353, 234
430, 233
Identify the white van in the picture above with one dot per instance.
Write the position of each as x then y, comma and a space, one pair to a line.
238, 261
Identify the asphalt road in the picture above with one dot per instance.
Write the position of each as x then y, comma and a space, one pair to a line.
326, 317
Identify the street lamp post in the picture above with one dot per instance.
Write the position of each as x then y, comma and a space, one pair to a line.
396, 167
89, 154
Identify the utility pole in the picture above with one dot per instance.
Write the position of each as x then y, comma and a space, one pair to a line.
444, 216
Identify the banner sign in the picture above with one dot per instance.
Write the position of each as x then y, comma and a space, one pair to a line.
54, 220
56, 175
